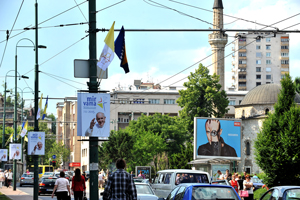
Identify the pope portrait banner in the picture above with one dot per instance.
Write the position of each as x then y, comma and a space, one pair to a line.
3, 154
93, 116
15, 151
36, 143
217, 138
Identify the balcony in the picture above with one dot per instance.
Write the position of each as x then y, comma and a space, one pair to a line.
233, 77
242, 65
284, 50
242, 72
242, 50
284, 57
233, 63
242, 88
283, 72
242, 43
243, 80
285, 65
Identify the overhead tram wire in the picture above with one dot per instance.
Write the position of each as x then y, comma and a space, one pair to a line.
62, 81
80, 11
48, 19
110, 6
62, 78
8, 33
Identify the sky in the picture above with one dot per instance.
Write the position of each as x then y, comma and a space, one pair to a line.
152, 56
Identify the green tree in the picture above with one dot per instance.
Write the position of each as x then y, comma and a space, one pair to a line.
119, 145
202, 97
62, 153
180, 160
297, 84
277, 147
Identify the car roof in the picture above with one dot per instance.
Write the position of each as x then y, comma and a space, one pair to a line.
203, 185
181, 171
140, 183
27, 173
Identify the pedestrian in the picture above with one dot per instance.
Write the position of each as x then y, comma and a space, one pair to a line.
234, 183
9, 177
100, 180
240, 183
78, 185
5, 178
227, 175
244, 177
1, 178
120, 185
27, 171
132, 174
141, 174
255, 176
84, 175
62, 187
221, 176
248, 186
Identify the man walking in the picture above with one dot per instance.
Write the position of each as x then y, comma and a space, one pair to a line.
120, 184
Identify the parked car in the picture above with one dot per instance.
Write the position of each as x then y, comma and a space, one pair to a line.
48, 174
46, 185
165, 180
195, 191
145, 192
87, 175
282, 193
27, 179
70, 173
257, 183
221, 182
138, 179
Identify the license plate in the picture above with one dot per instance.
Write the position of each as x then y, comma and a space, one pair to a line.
49, 189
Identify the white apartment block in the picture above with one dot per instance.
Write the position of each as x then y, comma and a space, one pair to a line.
259, 58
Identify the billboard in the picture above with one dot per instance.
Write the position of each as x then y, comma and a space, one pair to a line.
145, 169
93, 116
36, 143
3, 154
15, 151
217, 138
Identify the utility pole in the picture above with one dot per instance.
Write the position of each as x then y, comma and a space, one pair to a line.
93, 88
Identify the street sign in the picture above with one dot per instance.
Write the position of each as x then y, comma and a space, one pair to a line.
54, 156
82, 70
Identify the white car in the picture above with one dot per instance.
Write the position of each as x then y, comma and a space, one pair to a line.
145, 192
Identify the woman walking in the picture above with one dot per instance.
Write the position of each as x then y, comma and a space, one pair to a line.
62, 187
248, 186
78, 185
9, 177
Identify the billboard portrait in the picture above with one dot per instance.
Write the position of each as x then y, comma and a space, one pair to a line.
3, 154
36, 143
93, 116
15, 151
217, 138
146, 170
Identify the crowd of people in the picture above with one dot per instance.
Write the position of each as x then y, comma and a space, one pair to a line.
238, 182
6, 178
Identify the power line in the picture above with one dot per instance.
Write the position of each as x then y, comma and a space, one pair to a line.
62, 81
292, 26
80, 10
110, 6
62, 78
55, 26
8, 33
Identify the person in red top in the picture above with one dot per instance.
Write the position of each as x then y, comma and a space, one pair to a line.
78, 185
234, 183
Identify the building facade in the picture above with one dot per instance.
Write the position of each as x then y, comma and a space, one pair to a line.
259, 58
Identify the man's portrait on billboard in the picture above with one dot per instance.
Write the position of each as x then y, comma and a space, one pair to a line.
96, 128
215, 145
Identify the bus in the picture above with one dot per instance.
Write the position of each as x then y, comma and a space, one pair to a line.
42, 169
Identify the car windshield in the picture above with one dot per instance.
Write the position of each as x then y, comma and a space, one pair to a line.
47, 180
292, 194
222, 182
138, 180
143, 189
27, 175
48, 173
187, 178
256, 180
213, 193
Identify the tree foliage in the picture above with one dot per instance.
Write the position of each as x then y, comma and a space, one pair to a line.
180, 160
202, 97
277, 148
297, 84
62, 153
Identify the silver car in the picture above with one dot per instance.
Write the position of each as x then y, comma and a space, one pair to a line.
145, 192
48, 174
27, 179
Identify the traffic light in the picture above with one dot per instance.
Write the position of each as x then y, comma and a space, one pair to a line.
54, 163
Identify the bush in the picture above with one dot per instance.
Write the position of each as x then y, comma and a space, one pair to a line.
258, 193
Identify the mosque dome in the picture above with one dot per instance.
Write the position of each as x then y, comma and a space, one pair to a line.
265, 94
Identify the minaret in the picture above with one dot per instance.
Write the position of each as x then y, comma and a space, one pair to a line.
218, 41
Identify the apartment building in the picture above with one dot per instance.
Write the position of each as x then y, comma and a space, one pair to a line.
259, 58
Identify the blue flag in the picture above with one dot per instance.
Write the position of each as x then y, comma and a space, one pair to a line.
120, 50
45, 110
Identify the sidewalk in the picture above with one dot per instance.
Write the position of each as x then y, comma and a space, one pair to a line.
15, 195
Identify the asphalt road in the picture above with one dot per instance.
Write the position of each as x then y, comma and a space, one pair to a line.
29, 190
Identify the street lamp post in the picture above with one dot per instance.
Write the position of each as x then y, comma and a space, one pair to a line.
15, 106
4, 109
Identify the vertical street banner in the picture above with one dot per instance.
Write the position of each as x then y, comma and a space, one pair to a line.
93, 117
15, 151
3, 154
217, 138
36, 143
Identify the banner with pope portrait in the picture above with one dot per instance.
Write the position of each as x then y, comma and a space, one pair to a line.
15, 151
36, 143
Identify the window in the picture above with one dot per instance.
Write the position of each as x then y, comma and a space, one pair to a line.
180, 193
266, 111
240, 101
167, 178
268, 62
241, 84
268, 54
242, 39
285, 47
231, 102
268, 82
268, 46
258, 76
284, 39
257, 46
258, 54
268, 39
172, 194
242, 47
169, 101
242, 76
258, 69
268, 76
258, 40
284, 69
258, 83
153, 101
282, 76
284, 62
268, 69
258, 62
248, 148
242, 62
284, 54
242, 54
139, 101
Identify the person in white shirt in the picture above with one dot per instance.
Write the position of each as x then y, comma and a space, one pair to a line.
37, 149
97, 129
9, 177
221, 176
1, 178
62, 187
100, 180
